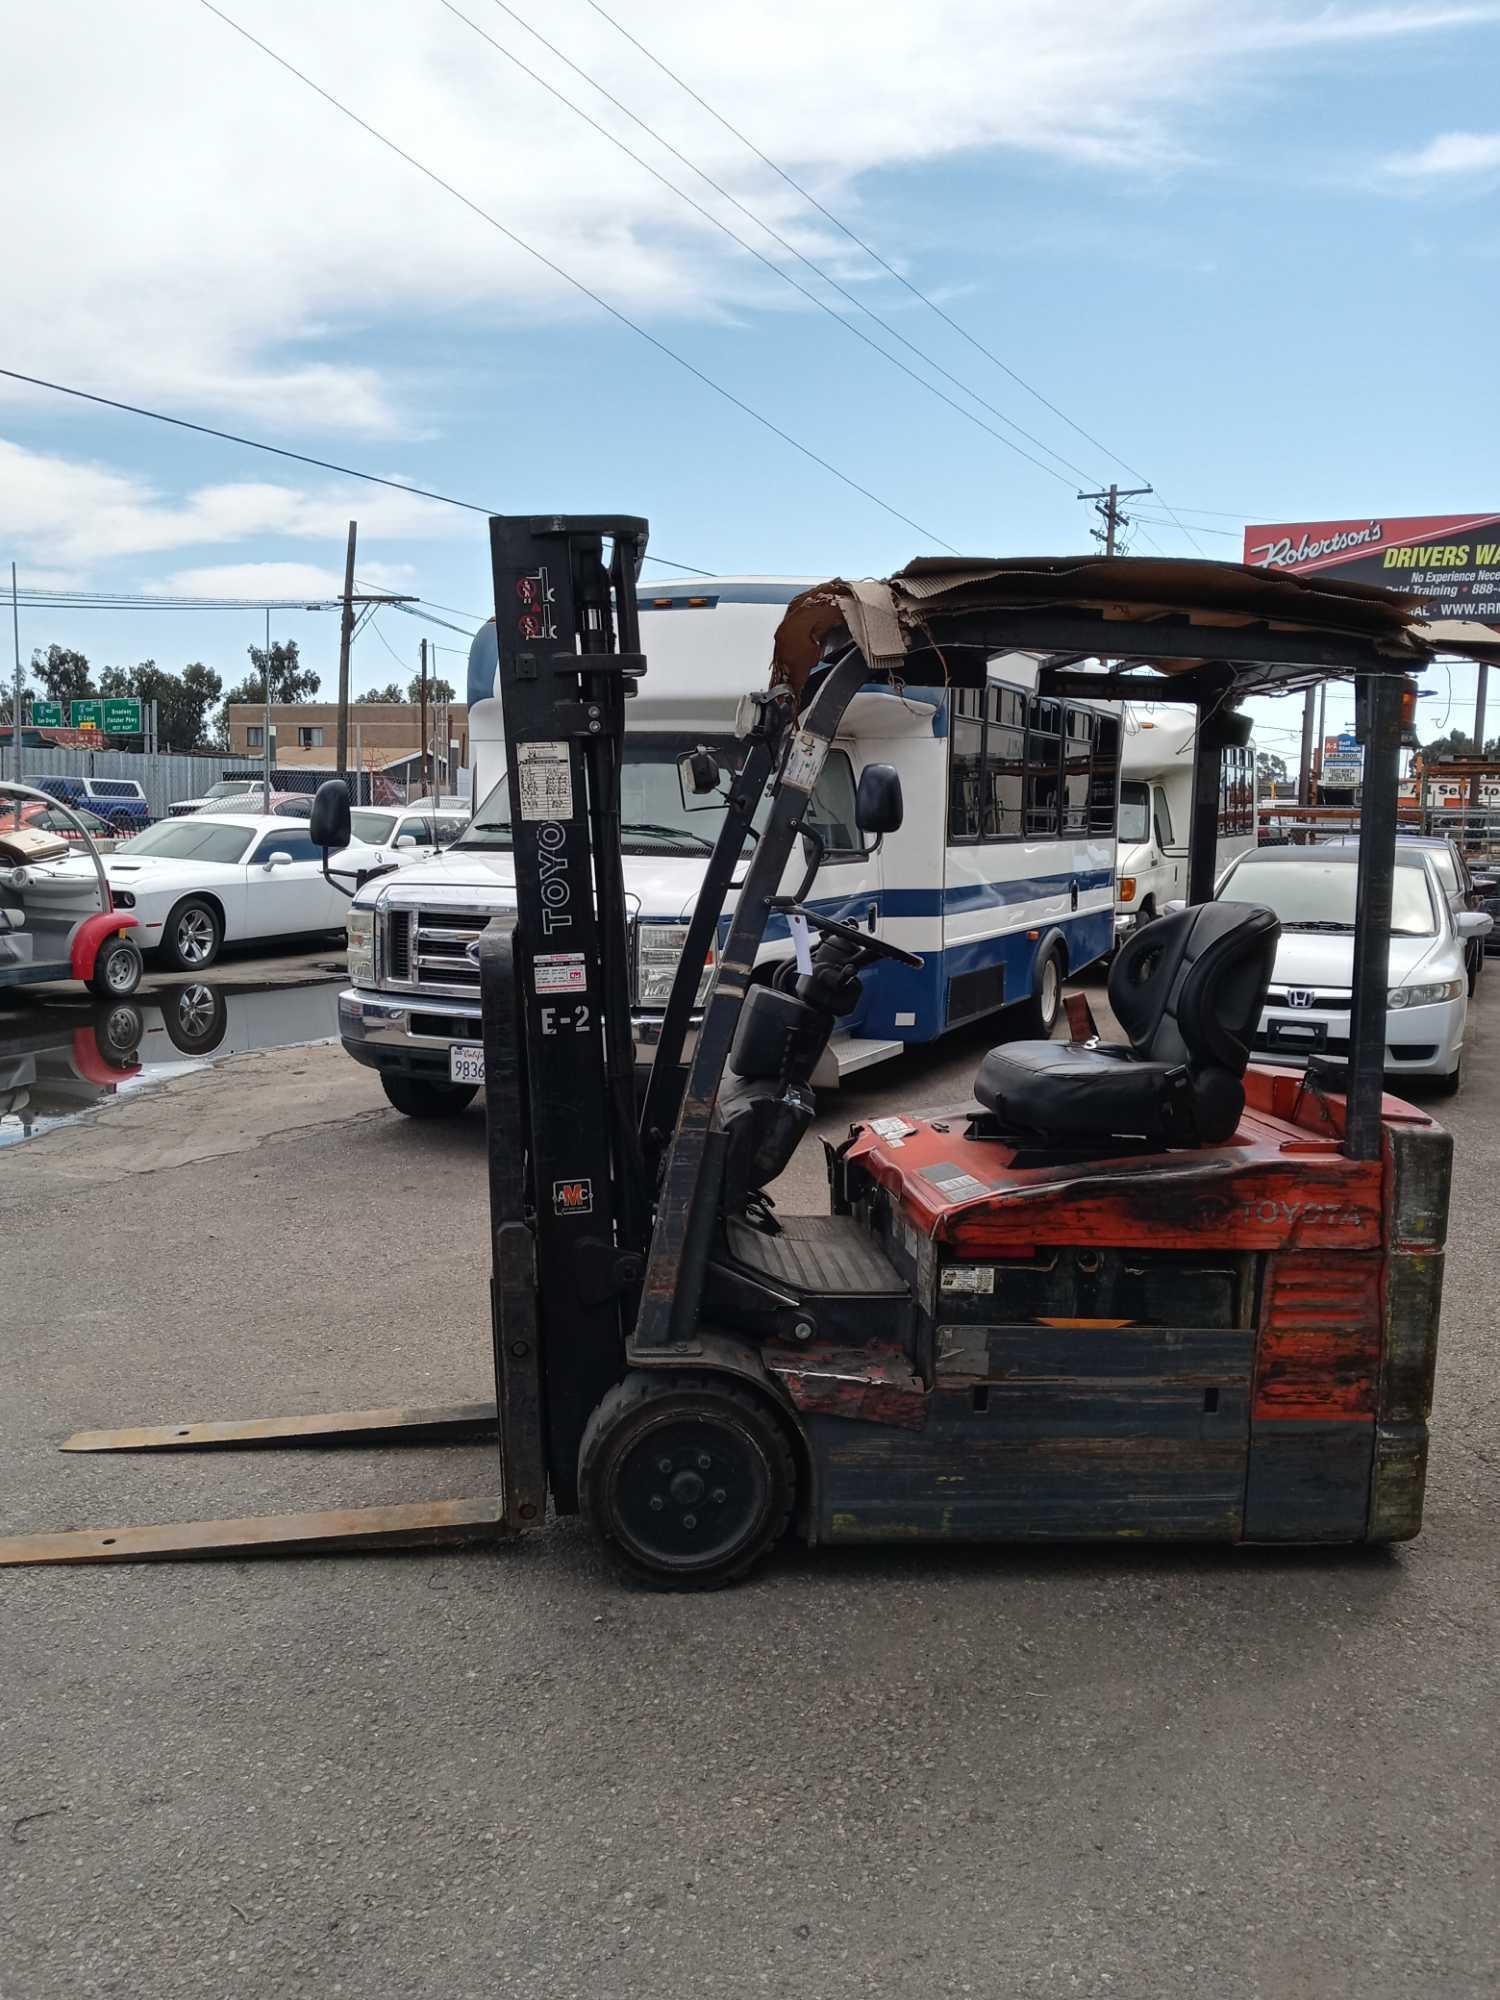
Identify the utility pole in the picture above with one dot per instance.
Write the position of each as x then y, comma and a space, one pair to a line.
266, 732
15, 707
1107, 507
346, 640
1304, 779
422, 724
1481, 689
1321, 749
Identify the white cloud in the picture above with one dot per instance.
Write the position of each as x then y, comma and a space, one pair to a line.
199, 230
1450, 156
82, 511
276, 579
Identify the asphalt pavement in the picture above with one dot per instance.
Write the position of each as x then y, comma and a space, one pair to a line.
1145, 1771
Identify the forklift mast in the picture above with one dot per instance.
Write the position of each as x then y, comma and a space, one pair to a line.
569, 659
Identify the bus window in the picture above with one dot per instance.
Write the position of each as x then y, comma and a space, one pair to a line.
830, 811
1043, 756
1004, 764
1078, 748
965, 763
1104, 785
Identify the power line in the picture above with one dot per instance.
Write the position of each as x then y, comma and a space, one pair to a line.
776, 269
844, 229
281, 451
578, 285
870, 251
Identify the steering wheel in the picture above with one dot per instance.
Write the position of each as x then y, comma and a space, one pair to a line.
872, 946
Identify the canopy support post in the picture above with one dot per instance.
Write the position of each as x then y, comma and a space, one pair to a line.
1372, 916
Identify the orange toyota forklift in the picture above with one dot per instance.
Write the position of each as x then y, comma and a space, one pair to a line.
1145, 1289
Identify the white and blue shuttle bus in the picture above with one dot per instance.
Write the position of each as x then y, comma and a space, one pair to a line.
1002, 877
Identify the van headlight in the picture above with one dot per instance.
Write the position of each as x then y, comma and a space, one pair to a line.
360, 925
1426, 996
658, 952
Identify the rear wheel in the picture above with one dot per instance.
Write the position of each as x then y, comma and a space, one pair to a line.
687, 1479
117, 970
1040, 1013
416, 1098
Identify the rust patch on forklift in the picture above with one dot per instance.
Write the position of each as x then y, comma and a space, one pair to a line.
1320, 1341
870, 1384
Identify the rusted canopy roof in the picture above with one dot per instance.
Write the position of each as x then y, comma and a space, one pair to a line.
1272, 628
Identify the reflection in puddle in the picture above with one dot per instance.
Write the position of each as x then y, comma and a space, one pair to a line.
60, 1060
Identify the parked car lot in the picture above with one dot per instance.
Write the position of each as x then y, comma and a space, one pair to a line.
119, 800
1463, 890
1311, 890
198, 882
105, 835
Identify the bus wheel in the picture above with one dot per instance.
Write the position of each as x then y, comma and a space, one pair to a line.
1040, 1012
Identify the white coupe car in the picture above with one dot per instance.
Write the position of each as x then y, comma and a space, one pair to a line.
1311, 889
201, 881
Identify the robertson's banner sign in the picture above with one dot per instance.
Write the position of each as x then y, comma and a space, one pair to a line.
1450, 561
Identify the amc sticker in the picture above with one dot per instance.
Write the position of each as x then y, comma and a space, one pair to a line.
804, 761
545, 773
572, 1197
967, 1278
560, 972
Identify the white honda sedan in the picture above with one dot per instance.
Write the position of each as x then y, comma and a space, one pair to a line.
202, 881
1311, 889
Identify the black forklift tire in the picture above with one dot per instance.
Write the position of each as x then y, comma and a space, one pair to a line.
688, 1479
117, 971
1041, 1011
414, 1097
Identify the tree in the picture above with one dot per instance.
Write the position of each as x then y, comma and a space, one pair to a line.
182, 700
390, 692
437, 690
1269, 768
1457, 743
64, 674
290, 680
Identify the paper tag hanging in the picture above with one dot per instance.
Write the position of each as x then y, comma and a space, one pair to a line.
797, 925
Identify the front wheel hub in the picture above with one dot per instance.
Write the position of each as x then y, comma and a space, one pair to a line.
690, 1491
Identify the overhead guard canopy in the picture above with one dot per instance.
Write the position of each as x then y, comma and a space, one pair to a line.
940, 619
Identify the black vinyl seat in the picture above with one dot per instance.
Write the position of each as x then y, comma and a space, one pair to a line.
1188, 990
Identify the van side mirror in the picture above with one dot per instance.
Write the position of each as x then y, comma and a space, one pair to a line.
329, 822
877, 803
698, 775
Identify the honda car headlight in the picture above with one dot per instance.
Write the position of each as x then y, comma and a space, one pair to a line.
658, 952
1425, 996
360, 925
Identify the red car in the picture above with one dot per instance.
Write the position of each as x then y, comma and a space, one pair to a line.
31, 812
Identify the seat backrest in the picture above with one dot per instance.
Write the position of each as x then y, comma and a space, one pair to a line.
1189, 988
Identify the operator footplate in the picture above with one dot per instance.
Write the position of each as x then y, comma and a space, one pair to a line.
830, 1256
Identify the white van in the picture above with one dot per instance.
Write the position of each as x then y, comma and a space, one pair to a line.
1002, 876
1156, 800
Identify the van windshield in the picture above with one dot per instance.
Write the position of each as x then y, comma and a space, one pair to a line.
653, 818
1134, 804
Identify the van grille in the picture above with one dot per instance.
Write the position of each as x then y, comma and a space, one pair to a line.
398, 946
439, 961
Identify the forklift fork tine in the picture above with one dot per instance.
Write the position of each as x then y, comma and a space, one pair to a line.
343, 1529
396, 1425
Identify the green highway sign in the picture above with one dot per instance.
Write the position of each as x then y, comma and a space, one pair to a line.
87, 714
122, 717
46, 715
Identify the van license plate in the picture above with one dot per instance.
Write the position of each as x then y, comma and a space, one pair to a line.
466, 1063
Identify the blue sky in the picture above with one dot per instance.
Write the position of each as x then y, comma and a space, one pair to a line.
1253, 251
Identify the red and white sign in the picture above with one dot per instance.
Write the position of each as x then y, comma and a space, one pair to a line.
1450, 561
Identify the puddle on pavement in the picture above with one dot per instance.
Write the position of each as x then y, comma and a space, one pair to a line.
60, 1060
